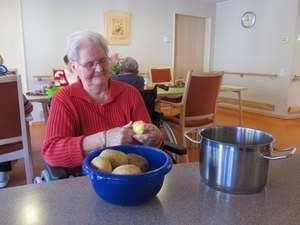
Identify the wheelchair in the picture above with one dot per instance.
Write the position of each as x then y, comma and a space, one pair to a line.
170, 146
150, 97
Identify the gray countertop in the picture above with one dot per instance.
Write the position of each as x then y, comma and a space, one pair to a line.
184, 199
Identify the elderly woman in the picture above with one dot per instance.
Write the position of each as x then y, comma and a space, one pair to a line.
129, 73
95, 111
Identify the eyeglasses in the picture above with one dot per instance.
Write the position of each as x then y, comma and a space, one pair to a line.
92, 65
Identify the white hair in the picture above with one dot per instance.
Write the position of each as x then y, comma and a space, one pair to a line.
78, 38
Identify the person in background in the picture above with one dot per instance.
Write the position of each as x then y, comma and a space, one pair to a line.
129, 73
95, 111
71, 77
3, 69
27, 105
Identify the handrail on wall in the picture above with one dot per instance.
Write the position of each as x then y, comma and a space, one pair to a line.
40, 77
252, 74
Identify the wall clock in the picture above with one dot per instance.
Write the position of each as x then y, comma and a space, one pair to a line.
248, 19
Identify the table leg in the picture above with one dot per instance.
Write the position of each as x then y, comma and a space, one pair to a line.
240, 107
45, 111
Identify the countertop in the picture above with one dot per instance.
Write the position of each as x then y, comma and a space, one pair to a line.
184, 199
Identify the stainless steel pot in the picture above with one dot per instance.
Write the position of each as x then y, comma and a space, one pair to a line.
236, 159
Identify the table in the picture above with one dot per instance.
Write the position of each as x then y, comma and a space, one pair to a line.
44, 100
183, 199
176, 92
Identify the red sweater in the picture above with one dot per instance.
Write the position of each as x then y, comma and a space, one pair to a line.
74, 115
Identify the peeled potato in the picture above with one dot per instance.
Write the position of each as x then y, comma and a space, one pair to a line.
139, 161
138, 127
127, 169
116, 158
101, 164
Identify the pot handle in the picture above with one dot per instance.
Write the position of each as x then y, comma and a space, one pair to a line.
191, 139
291, 149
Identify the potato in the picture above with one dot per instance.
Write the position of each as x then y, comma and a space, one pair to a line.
139, 161
101, 164
127, 169
116, 158
138, 127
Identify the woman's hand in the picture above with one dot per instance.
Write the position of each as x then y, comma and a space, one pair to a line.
152, 136
119, 135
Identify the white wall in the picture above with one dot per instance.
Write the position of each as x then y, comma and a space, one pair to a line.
259, 49
294, 88
11, 41
48, 23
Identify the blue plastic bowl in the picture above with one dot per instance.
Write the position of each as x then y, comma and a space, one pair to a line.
130, 189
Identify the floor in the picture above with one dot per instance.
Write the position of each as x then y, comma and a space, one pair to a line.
286, 133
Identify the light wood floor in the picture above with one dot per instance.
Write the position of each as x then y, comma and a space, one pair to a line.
286, 133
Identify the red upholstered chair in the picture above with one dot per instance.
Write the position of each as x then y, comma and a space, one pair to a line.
14, 134
199, 103
161, 74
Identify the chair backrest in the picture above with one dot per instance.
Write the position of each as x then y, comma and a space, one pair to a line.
201, 94
55, 70
59, 76
11, 101
14, 136
150, 97
160, 74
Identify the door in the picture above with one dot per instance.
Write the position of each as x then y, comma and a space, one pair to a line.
190, 47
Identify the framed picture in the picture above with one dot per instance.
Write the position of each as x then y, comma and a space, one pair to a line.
117, 27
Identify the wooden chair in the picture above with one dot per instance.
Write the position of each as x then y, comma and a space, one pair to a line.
59, 75
161, 74
14, 132
199, 103
56, 69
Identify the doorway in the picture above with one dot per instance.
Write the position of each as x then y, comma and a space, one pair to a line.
191, 45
